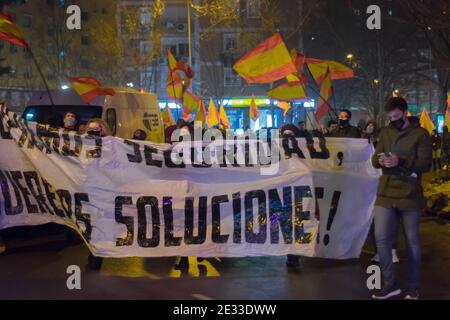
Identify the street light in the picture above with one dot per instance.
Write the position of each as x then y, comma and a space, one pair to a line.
350, 56
376, 82
64, 87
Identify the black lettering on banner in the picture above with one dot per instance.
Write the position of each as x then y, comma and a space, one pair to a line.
237, 234
332, 214
9, 209
288, 150
95, 153
136, 157
169, 239
248, 158
66, 201
23, 136
189, 237
148, 151
195, 155
44, 135
230, 151
37, 193
280, 215
324, 153
33, 142
143, 241
66, 149
127, 221
319, 193
51, 197
168, 160
300, 193
32, 208
250, 236
83, 217
217, 237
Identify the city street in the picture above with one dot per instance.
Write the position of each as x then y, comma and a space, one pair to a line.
39, 272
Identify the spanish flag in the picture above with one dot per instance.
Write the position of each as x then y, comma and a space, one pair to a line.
318, 69
426, 122
268, 62
10, 32
284, 106
201, 114
290, 91
167, 117
447, 114
213, 116
254, 112
89, 88
174, 86
190, 102
171, 61
326, 91
223, 117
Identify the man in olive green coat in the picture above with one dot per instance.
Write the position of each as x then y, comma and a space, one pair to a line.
404, 153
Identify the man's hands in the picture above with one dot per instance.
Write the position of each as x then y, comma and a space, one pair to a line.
389, 162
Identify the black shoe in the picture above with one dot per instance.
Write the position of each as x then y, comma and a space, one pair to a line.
412, 294
94, 263
183, 264
293, 261
385, 294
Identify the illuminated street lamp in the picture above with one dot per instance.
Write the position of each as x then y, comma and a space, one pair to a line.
350, 56
376, 82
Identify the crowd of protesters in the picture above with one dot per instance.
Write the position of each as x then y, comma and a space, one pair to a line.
389, 207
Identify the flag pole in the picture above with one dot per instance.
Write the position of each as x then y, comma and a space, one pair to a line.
42, 76
318, 93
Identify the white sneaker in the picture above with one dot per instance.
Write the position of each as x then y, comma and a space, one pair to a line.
395, 258
2, 247
375, 258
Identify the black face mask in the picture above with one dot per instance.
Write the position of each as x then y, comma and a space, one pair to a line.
343, 123
95, 133
398, 124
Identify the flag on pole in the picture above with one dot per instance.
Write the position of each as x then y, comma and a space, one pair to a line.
167, 117
318, 69
426, 122
447, 118
284, 106
10, 32
213, 116
326, 91
172, 62
254, 112
201, 114
268, 62
190, 102
290, 91
89, 88
223, 117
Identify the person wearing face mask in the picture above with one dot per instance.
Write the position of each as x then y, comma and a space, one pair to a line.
70, 121
344, 129
97, 127
403, 153
370, 133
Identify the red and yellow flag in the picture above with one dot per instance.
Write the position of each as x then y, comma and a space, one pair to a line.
201, 114
90, 88
171, 61
426, 122
167, 117
268, 62
318, 69
213, 116
223, 117
284, 106
254, 112
326, 91
10, 32
447, 114
289, 91
190, 102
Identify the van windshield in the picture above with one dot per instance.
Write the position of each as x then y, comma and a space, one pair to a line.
53, 115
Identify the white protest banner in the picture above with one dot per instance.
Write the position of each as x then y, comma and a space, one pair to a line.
228, 198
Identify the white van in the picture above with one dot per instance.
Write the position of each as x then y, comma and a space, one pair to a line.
125, 112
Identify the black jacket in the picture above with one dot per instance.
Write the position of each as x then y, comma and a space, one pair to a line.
346, 132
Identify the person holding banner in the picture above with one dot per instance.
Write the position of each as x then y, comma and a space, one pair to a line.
404, 153
344, 129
